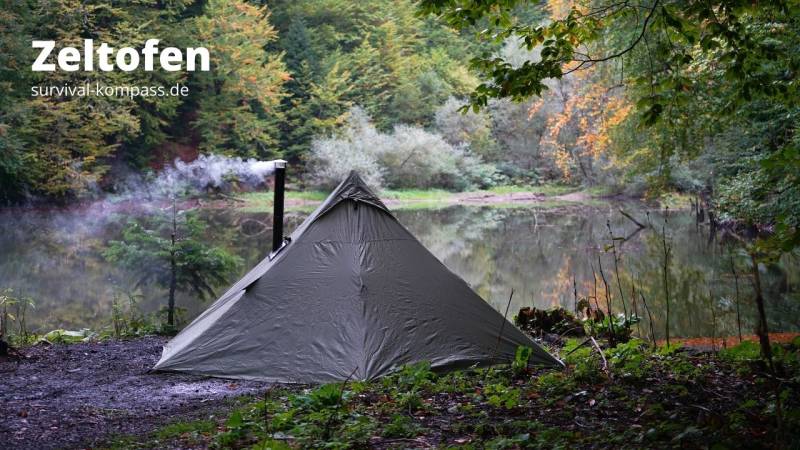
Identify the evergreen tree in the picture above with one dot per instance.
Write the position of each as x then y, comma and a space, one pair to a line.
298, 126
171, 252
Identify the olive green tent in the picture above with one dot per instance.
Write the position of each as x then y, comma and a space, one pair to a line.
352, 292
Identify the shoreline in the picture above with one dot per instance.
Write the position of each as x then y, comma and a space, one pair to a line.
261, 201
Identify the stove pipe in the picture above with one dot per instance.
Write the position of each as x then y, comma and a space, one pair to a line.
277, 205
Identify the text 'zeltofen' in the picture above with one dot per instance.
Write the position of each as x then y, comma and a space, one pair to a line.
127, 59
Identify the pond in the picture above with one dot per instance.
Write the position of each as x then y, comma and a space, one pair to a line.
544, 253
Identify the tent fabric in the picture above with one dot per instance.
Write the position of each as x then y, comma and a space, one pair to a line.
352, 292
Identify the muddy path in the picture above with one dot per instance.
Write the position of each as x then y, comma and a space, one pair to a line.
77, 396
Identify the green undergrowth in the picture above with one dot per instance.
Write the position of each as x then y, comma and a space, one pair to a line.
631, 396
127, 321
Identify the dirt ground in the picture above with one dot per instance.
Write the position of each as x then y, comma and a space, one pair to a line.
76, 396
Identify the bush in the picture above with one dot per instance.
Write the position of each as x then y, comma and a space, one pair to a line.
356, 148
629, 358
416, 158
616, 328
409, 157
518, 175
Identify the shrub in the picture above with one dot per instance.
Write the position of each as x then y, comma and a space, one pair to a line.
630, 358
408, 157
582, 359
356, 148
324, 397
502, 396
617, 328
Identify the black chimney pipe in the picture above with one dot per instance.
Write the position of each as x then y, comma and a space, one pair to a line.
277, 205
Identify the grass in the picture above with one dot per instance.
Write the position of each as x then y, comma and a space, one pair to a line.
601, 191
296, 200
190, 434
266, 197
407, 198
417, 195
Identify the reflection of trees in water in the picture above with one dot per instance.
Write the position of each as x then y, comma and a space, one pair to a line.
455, 235
496, 249
55, 259
700, 278
537, 252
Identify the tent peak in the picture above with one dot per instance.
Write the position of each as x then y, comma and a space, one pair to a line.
355, 178
354, 188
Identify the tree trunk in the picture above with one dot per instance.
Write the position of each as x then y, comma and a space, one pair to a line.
666, 280
736, 284
762, 330
172, 285
173, 277
3, 321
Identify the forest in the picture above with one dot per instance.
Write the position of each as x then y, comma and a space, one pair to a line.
333, 85
619, 180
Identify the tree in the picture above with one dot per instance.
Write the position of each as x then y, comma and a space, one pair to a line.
396, 65
172, 252
708, 102
719, 25
472, 129
61, 146
238, 107
302, 62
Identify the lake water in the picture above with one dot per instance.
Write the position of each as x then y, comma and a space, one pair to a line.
54, 257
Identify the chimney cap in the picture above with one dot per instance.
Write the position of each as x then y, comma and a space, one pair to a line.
280, 163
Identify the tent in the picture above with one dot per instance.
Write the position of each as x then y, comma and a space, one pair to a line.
351, 292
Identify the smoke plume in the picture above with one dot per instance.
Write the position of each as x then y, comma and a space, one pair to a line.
200, 175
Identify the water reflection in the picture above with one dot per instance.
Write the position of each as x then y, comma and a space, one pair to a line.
54, 257
538, 252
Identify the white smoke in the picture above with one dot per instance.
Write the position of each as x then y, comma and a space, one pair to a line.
198, 176
140, 194
214, 171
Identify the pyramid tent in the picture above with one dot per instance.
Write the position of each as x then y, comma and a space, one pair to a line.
352, 292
